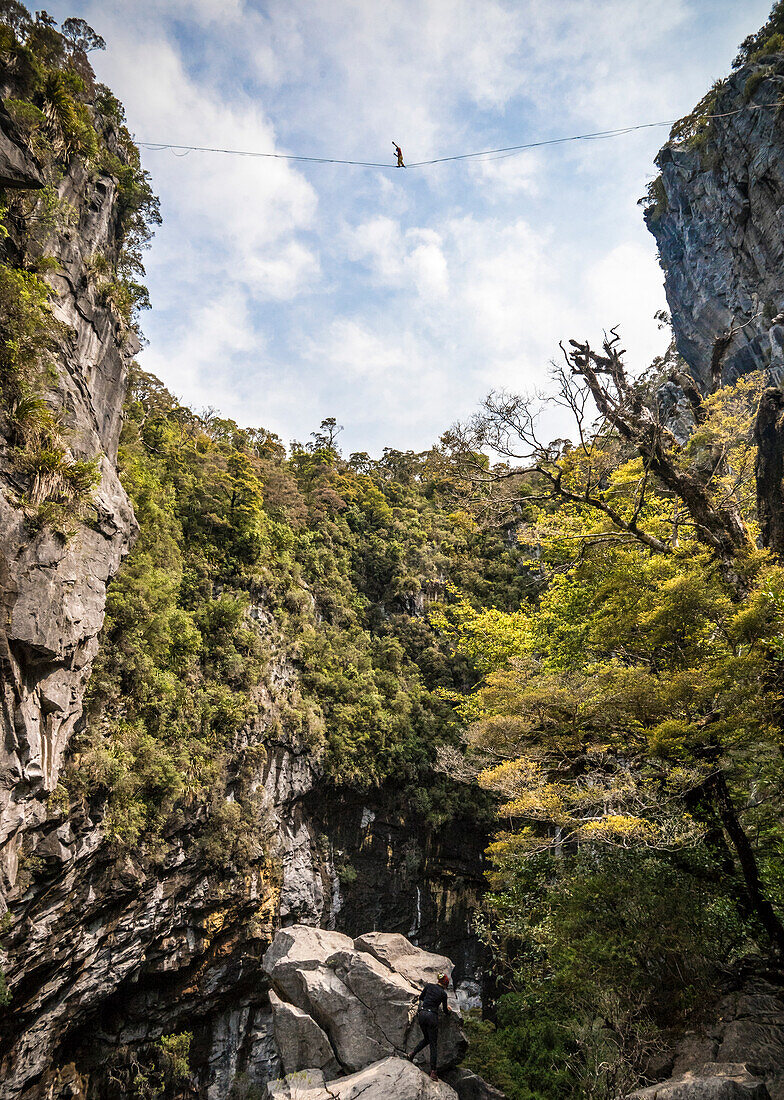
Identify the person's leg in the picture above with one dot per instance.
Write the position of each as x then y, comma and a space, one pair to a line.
433, 1040
418, 1049
422, 1020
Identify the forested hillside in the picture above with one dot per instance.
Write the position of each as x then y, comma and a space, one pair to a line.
344, 557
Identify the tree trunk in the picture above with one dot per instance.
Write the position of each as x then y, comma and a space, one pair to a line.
741, 845
718, 525
769, 468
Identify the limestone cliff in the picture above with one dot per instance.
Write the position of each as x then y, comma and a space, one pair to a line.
53, 584
716, 213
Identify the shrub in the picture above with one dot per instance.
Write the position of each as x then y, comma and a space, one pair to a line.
176, 1052
29, 334
753, 82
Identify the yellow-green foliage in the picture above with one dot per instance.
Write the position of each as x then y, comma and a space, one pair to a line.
488, 637
768, 39
62, 115
655, 200
696, 128
754, 80
603, 715
176, 1050
638, 656
28, 334
59, 484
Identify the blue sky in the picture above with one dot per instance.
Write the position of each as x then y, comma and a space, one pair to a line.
285, 293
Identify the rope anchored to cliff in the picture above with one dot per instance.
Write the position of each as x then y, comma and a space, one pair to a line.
508, 150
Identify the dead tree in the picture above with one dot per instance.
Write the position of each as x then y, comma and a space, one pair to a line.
717, 525
720, 347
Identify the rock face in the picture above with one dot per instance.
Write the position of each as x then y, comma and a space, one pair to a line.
738, 1051
746, 1026
18, 167
52, 588
422, 883
299, 1039
716, 213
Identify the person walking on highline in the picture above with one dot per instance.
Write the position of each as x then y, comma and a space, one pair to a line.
399, 152
431, 999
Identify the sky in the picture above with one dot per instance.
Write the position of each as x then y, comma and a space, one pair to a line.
394, 300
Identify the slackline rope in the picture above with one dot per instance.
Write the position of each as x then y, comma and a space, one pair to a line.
183, 150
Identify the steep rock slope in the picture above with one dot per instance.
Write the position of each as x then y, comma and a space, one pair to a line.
716, 211
344, 1016
53, 585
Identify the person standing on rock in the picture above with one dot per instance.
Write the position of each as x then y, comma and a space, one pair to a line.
432, 997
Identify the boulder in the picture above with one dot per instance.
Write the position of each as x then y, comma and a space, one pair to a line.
400, 955
389, 999
303, 946
469, 1086
299, 1040
388, 1079
306, 1084
711, 1081
392, 1079
364, 1006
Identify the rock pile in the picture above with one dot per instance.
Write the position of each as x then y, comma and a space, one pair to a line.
738, 1053
344, 1015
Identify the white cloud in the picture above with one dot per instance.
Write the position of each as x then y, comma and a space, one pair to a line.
401, 259
198, 362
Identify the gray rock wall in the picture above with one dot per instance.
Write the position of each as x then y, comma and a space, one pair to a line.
718, 220
52, 587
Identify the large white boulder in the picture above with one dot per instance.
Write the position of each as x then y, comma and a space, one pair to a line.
400, 955
304, 946
392, 1079
389, 999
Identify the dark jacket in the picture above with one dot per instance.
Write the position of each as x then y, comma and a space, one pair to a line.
432, 998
